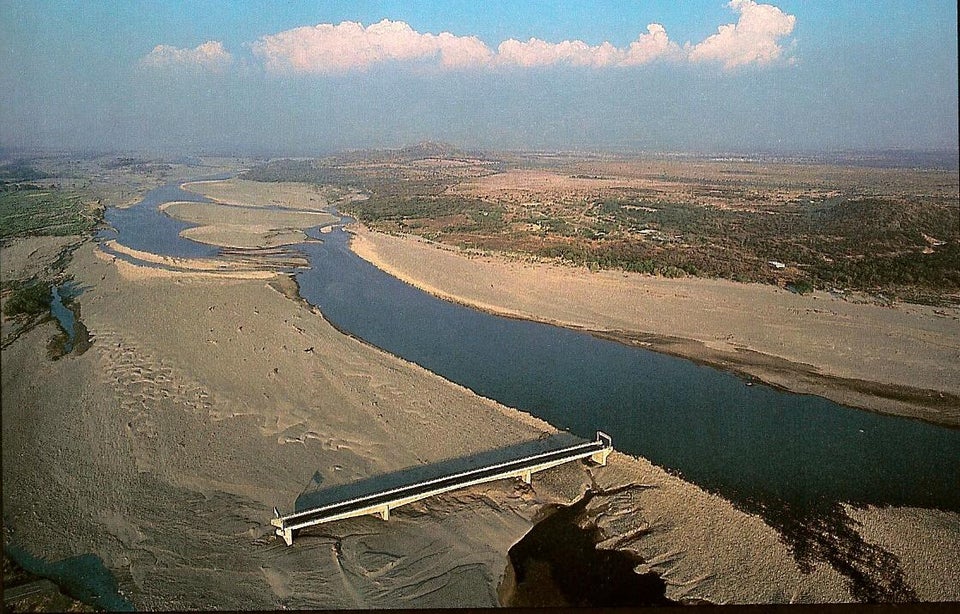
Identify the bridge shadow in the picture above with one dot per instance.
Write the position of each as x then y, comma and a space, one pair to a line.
315, 496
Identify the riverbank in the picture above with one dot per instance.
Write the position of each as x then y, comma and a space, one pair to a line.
900, 360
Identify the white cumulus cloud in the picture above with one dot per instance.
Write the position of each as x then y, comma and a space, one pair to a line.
754, 39
209, 56
327, 48
653, 45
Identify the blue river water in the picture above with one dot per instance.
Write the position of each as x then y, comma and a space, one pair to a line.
748, 443
82, 577
768, 451
144, 227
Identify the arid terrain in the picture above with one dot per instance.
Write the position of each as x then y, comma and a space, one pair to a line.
207, 391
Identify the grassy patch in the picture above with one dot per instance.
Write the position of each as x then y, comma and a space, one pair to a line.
20, 170
31, 211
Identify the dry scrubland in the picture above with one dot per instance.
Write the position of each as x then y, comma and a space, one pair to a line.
893, 233
210, 395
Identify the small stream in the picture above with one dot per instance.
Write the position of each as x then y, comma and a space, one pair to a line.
66, 312
84, 578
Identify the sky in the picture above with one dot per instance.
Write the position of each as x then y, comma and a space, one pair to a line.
312, 77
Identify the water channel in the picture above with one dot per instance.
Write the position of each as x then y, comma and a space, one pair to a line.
766, 450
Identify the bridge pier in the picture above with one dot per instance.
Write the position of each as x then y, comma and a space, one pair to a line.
385, 512
287, 535
526, 476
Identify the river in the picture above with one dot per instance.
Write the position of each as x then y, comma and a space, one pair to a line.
785, 456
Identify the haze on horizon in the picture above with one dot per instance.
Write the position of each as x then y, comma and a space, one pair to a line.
263, 77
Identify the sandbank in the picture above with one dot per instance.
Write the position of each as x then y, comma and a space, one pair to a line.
251, 215
244, 237
207, 214
300, 196
261, 264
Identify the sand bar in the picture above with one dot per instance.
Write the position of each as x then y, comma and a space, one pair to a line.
251, 215
208, 214
244, 236
300, 196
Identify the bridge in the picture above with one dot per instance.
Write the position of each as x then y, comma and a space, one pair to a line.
380, 503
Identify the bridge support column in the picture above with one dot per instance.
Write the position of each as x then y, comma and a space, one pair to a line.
600, 457
385, 512
526, 476
287, 535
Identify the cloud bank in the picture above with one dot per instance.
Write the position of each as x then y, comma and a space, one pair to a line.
756, 39
209, 56
653, 45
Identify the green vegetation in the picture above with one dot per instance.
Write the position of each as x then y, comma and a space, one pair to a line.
137, 165
30, 210
30, 299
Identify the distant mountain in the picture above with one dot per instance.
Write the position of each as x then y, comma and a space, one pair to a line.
431, 149
425, 150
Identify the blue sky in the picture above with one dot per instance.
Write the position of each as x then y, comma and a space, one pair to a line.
258, 76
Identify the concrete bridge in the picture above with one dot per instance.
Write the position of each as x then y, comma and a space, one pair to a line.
380, 503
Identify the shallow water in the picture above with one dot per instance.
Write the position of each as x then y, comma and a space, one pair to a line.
63, 315
146, 228
82, 577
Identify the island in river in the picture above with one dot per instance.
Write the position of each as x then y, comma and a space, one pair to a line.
210, 392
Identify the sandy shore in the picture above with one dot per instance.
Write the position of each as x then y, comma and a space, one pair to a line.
902, 360
204, 401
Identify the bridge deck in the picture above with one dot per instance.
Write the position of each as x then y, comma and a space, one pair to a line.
382, 502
